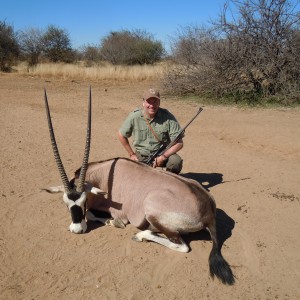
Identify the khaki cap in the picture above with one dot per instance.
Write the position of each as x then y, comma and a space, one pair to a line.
151, 93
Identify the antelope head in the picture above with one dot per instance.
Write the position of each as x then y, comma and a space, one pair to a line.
74, 196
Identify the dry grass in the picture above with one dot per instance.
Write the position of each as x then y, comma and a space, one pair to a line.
99, 72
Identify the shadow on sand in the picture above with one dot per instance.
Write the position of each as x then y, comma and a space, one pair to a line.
225, 225
207, 180
91, 225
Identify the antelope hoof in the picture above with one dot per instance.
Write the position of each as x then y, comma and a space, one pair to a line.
138, 239
116, 223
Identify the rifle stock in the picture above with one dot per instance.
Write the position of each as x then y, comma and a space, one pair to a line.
162, 149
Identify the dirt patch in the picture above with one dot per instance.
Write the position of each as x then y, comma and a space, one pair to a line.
249, 159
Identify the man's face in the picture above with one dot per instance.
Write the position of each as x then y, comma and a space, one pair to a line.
151, 106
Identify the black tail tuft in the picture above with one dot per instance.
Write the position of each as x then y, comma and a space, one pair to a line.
220, 268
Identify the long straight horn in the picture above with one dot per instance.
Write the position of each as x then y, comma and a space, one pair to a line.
60, 166
84, 166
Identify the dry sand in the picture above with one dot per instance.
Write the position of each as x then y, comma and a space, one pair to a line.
249, 159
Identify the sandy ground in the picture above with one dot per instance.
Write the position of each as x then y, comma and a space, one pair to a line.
249, 159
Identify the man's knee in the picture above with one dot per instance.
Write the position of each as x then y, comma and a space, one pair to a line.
174, 164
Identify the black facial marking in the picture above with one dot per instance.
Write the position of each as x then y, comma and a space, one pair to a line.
76, 213
74, 195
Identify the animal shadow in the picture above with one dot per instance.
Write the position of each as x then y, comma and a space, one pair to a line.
91, 225
224, 226
207, 180
224, 223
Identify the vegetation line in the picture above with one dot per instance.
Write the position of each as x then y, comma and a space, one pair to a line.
251, 56
97, 72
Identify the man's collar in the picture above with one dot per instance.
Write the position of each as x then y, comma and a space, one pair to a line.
157, 115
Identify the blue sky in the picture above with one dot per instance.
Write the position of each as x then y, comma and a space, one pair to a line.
87, 21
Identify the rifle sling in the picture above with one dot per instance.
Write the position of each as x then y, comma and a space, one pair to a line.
152, 130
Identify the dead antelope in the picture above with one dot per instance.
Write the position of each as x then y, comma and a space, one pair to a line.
152, 200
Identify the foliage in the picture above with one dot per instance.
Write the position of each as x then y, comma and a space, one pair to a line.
90, 54
57, 45
31, 44
9, 48
131, 47
255, 54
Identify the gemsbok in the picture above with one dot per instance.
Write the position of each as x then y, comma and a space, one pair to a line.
161, 204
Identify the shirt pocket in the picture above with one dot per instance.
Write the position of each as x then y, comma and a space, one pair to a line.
162, 133
140, 135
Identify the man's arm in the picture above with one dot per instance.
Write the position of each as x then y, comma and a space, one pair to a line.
125, 142
174, 149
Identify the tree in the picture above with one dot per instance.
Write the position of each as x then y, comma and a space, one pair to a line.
252, 52
115, 47
188, 48
145, 51
9, 48
90, 54
131, 47
194, 71
31, 44
261, 41
57, 45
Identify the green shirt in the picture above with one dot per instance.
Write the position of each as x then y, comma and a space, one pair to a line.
164, 125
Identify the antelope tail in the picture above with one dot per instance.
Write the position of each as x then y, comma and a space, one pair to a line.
218, 266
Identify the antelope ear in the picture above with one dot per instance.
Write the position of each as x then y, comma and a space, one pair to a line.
91, 189
54, 189
97, 191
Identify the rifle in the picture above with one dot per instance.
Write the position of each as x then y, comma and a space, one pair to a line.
163, 148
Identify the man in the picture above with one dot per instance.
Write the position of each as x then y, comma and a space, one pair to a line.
150, 126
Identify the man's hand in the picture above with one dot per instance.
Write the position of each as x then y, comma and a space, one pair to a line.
159, 161
133, 157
